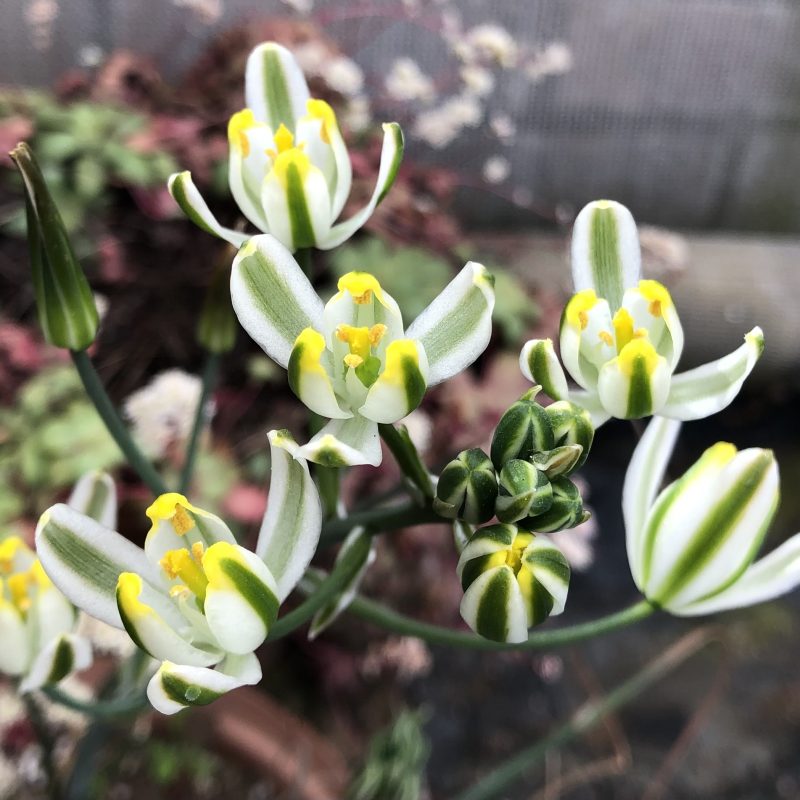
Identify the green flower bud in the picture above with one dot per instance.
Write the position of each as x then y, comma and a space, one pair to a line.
512, 580
217, 326
559, 461
64, 302
523, 430
524, 491
566, 510
571, 424
467, 488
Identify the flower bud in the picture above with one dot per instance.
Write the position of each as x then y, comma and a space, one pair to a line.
467, 488
217, 326
566, 510
525, 491
571, 424
64, 301
523, 430
512, 580
559, 461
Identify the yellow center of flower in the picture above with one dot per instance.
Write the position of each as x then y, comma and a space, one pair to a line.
657, 296
8, 549
173, 508
360, 341
188, 567
23, 586
513, 556
319, 109
361, 286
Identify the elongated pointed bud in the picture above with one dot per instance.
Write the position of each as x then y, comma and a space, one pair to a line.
467, 488
571, 424
523, 430
558, 461
512, 580
66, 308
566, 510
217, 326
525, 491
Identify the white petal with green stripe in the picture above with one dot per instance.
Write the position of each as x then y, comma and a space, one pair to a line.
61, 656
187, 196
177, 686
584, 337
272, 298
249, 143
391, 156
241, 600
456, 327
642, 484
274, 86
96, 496
292, 523
345, 443
16, 651
399, 389
606, 255
704, 391
494, 608
85, 559
309, 371
539, 364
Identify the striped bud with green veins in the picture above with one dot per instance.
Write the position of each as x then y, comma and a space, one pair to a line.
467, 488
523, 430
566, 510
525, 491
572, 425
64, 302
559, 461
512, 580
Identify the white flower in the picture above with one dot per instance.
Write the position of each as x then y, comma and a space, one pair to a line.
357, 115
406, 82
477, 80
503, 127
440, 126
303, 7
163, 412
496, 169
494, 43
555, 59
343, 75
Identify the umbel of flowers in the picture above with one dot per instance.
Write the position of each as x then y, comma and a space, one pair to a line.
289, 169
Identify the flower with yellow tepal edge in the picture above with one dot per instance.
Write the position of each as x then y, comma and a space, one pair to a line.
192, 598
289, 169
621, 338
692, 546
352, 360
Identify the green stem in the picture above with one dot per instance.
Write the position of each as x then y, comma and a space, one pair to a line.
98, 709
393, 621
45, 739
586, 717
407, 458
116, 427
328, 484
210, 371
304, 259
378, 519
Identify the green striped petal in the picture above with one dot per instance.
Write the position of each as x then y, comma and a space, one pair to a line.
50, 615
643, 481
540, 365
391, 156
359, 547
274, 86
61, 656
525, 491
191, 202
467, 488
705, 528
241, 598
178, 686
523, 430
584, 332
543, 580
309, 377
292, 523
84, 560
272, 298
345, 443
565, 509
95, 495
606, 255
590, 402
15, 653
456, 327
494, 606
770, 577
636, 383
572, 425
401, 385
704, 391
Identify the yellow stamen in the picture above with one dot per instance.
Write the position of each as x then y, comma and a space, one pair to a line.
623, 328
514, 555
239, 124
353, 361
8, 550
174, 508
319, 109
197, 552
283, 139
376, 333
657, 296
361, 286
18, 587
358, 339
578, 308
181, 564
606, 338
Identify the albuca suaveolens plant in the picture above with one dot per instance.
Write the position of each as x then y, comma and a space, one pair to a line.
289, 169
621, 338
193, 598
351, 360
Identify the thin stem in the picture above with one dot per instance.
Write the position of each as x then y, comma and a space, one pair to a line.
210, 371
328, 479
586, 717
98, 709
407, 458
116, 427
388, 619
304, 259
378, 519
45, 739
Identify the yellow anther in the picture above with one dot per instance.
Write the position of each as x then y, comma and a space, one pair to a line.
283, 139
182, 521
606, 338
238, 126
353, 361
8, 550
376, 333
319, 109
179, 590
181, 564
361, 286
578, 308
197, 552
357, 339
657, 296
18, 588
623, 328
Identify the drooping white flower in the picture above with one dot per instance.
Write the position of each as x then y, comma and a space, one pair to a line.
691, 547
289, 169
352, 360
621, 338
